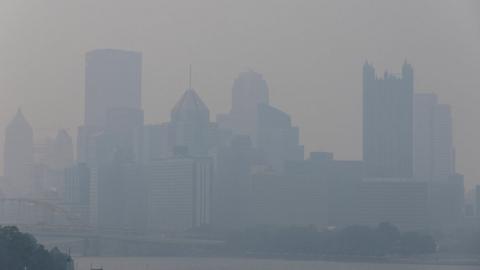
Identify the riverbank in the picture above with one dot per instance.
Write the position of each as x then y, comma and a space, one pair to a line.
437, 259
251, 263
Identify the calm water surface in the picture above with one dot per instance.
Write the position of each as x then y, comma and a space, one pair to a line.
243, 264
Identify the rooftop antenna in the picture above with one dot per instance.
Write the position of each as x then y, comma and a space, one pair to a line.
190, 76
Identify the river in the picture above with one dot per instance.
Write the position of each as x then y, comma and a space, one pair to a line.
182, 263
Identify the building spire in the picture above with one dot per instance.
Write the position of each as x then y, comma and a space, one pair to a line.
190, 76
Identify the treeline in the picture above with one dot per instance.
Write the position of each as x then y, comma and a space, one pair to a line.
20, 251
383, 240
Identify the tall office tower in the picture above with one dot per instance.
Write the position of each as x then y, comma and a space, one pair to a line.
179, 196
444, 164
112, 80
116, 173
154, 144
388, 123
52, 157
434, 161
18, 155
61, 152
77, 192
249, 90
434, 152
277, 138
119, 195
233, 182
190, 124
477, 200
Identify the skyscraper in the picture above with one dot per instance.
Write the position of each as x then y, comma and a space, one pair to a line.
249, 90
434, 152
61, 153
112, 80
189, 124
179, 196
477, 200
388, 123
18, 155
77, 191
233, 182
434, 161
277, 139
444, 165
116, 172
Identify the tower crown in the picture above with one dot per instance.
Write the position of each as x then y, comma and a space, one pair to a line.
19, 122
189, 105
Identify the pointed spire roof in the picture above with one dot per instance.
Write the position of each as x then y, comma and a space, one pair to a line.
189, 104
19, 122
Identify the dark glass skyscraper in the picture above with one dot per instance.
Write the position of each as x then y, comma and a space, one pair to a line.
388, 123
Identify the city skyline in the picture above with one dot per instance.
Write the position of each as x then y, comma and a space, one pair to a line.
317, 62
228, 134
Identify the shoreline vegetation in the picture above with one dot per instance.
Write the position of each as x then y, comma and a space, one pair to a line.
354, 244
385, 240
20, 251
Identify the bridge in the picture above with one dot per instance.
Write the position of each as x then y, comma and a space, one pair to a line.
54, 225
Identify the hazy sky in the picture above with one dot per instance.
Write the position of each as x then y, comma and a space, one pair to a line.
310, 52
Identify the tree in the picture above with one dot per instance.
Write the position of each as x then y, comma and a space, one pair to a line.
19, 250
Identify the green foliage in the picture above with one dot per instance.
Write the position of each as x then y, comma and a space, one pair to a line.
20, 250
355, 240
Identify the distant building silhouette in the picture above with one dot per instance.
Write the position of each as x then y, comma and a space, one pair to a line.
434, 153
112, 80
120, 189
18, 155
179, 195
154, 144
319, 191
388, 123
277, 139
435, 161
61, 153
235, 163
402, 202
249, 90
477, 200
77, 192
108, 141
190, 124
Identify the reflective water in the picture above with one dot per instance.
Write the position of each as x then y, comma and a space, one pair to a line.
243, 264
